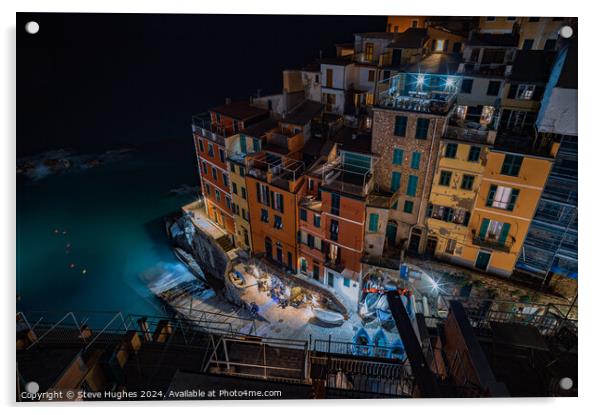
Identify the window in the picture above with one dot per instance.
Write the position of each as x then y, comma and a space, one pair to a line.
451, 246
502, 197
397, 156
256, 145
228, 203
408, 206
550, 44
525, 92
211, 150
395, 181
474, 154
316, 220
412, 185
232, 168
400, 126
445, 178
218, 195
527, 44
234, 188
310, 240
369, 51
243, 143
331, 279
415, 164
303, 214
225, 179
450, 150
336, 204
243, 192
329, 78
214, 173
278, 202
264, 215
494, 231
222, 156
277, 222
467, 182
208, 189
493, 88
373, 225
466, 87
334, 230
263, 194
370, 76
346, 282
422, 128
512, 164
241, 171
204, 167
201, 146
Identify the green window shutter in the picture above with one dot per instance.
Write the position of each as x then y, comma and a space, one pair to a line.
513, 197
256, 145
504, 233
400, 126
412, 185
484, 227
491, 195
397, 156
373, 227
243, 144
395, 181
415, 160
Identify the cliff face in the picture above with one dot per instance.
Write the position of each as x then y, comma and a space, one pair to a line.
210, 254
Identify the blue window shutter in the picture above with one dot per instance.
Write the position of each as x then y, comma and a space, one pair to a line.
484, 227
373, 227
395, 181
491, 195
416, 160
397, 156
513, 197
504, 233
412, 185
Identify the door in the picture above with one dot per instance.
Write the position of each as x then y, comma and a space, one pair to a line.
268, 248
431, 246
483, 260
396, 57
329, 78
279, 254
414, 243
391, 233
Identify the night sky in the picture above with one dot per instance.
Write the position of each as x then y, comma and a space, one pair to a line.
93, 82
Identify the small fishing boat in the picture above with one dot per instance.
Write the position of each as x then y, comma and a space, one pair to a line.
361, 343
381, 344
383, 311
237, 279
331, 318
397, 350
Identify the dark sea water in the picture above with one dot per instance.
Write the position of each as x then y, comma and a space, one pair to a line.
112, 216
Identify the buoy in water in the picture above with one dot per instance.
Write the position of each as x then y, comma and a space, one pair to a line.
68, 246
56, 231
84, 271
72, 265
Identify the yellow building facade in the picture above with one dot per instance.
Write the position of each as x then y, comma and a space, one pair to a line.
505, 203
458, 177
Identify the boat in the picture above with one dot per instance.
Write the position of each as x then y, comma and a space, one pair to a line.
331, 318
381, 344
397, 350
237, 279
361, 343
383, 311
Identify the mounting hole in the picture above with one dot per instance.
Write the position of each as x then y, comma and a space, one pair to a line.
566, 383
566, 32
32, 28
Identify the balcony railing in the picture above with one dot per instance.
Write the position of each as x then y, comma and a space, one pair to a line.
493, 243
204, 127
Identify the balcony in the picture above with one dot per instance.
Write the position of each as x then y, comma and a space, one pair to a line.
282, 172
203, 127
492, 243
419, 92
525, 141
494, 70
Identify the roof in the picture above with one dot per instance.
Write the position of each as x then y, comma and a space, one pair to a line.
532, 65
493, 39
340, 61
412, 38
436, 63
313, 146
240, 110
260, 128
352, 140
304, 113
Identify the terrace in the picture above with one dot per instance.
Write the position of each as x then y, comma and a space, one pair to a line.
461, 129
344, 178
419, 92
282, 172
201, 125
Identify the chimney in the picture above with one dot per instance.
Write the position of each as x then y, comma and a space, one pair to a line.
228, 101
